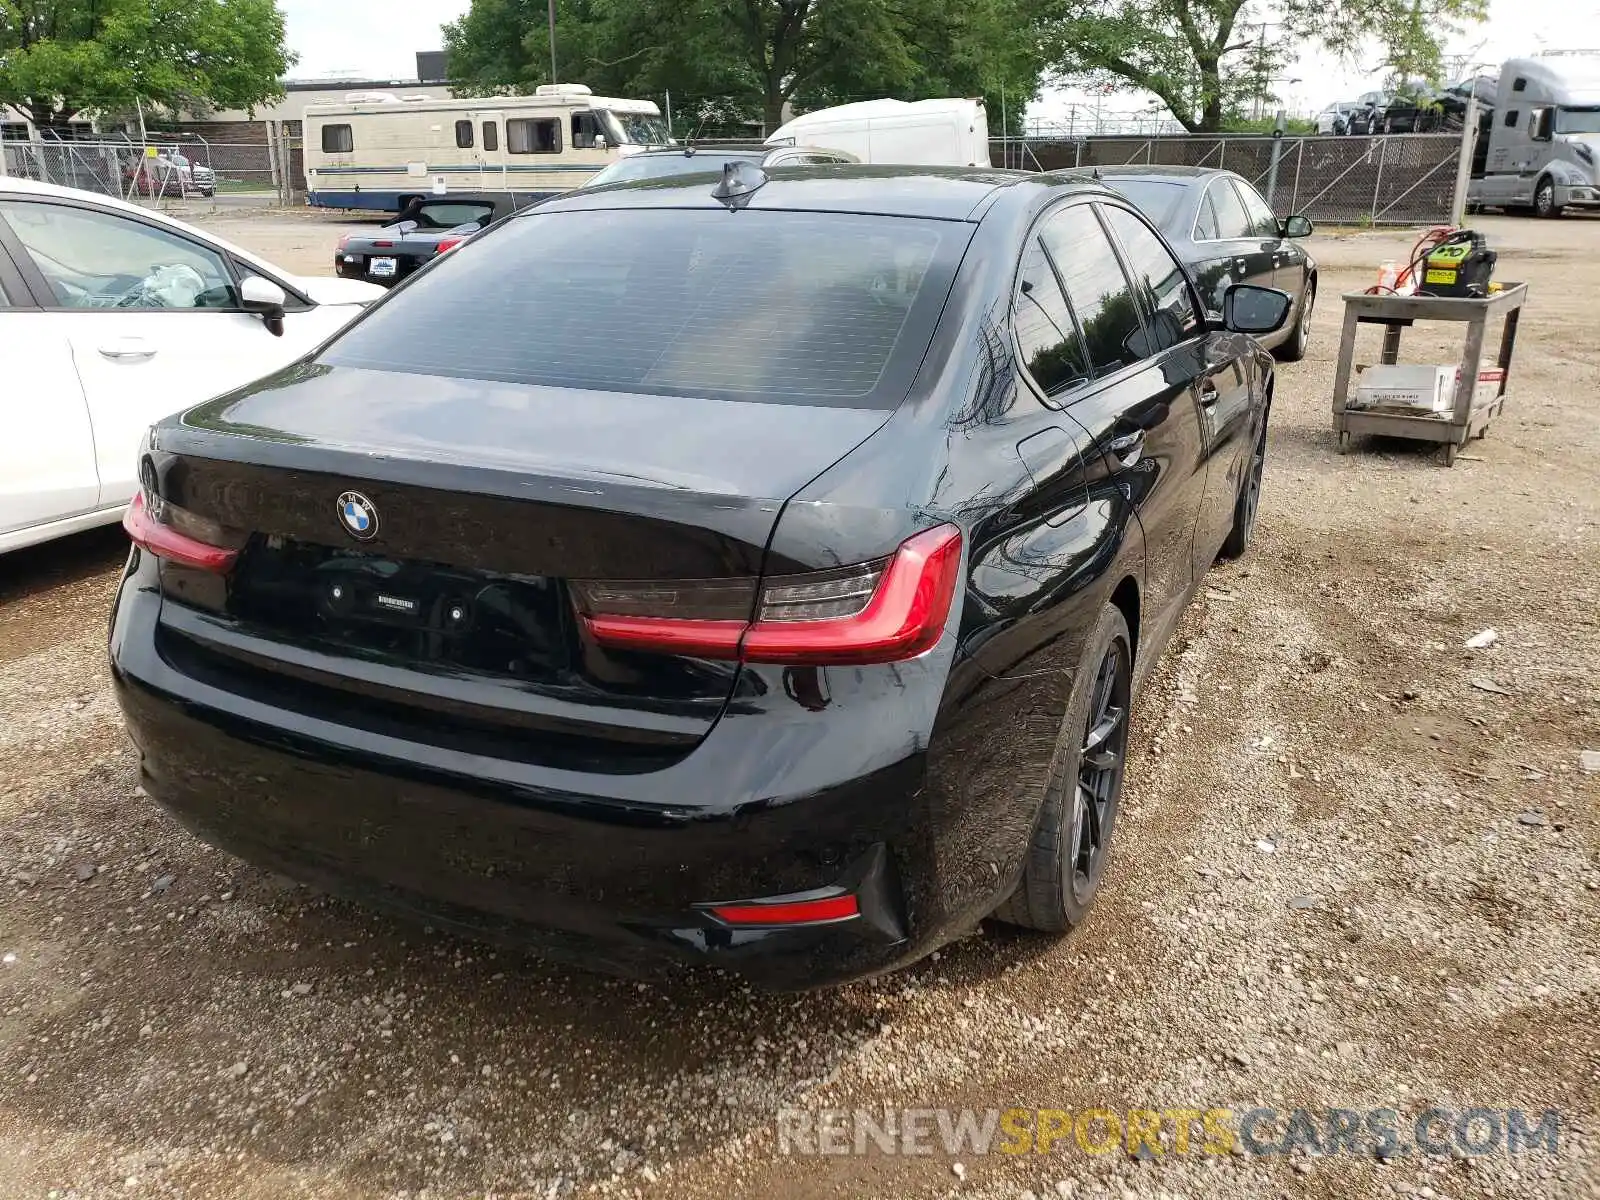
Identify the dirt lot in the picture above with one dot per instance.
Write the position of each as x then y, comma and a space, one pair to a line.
1358, 867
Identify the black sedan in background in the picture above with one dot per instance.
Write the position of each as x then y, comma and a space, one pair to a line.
760, 578
1226, 233
422, 231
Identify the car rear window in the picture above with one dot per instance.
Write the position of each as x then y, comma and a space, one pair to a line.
1156, 198
810, 308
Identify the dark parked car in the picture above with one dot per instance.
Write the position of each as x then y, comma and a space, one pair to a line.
668, 161
1227, 234
422, 231
662, 584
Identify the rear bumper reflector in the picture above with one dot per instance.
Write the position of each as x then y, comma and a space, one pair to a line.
782, 911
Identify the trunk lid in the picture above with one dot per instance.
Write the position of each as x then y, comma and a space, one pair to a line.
452, 620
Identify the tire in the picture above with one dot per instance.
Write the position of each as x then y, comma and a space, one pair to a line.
1544, 199
1070, 845
1294, 349
1247, 502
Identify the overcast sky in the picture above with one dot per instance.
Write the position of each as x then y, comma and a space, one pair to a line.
375, 39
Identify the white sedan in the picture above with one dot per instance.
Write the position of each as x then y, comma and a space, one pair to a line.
111, 317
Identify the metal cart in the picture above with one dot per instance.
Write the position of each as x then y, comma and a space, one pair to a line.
1468, 419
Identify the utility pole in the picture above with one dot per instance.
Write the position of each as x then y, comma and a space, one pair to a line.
553, 78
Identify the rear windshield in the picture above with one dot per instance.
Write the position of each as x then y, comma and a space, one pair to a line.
808, 308
448, 215
658, 166
1156, 198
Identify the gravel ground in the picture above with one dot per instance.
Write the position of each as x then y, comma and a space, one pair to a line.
1358, 867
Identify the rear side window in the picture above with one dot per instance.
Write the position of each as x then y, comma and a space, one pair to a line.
491, 136
1051, 349
1262, 223
1096, 288
533, 135
1158, 274
1511, 118
1232, 220
811, 308
464, 135
337, 139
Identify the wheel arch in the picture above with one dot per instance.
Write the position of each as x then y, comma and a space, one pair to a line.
1125, 596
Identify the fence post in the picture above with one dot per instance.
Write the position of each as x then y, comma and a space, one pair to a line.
1469, 143
1299, 157
272, 159
1277, 149
1377, 185
1222, 151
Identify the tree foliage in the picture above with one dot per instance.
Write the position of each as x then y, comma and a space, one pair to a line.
747, 59
59, 58
1206, 59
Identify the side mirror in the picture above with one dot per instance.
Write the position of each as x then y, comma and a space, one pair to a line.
1247, 308
1297, 227
262, 296
599, 141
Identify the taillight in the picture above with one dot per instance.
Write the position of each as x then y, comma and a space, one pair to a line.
172, 536
449, 243
344, 243
823, 910
879, 612
384, 245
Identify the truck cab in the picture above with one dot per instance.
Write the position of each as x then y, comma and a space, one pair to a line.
1543, 148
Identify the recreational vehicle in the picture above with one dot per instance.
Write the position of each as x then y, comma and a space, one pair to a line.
379, 151
1543, 136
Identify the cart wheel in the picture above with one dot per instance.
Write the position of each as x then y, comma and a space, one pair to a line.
1344, 443
1450, 454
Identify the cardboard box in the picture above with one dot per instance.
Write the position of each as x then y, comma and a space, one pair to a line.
1420, 390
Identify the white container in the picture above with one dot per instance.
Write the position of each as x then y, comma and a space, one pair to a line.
1420, 389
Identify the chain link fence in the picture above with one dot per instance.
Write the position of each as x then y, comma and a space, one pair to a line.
162, 169
1403, 179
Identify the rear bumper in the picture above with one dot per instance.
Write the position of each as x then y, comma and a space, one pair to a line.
608, 871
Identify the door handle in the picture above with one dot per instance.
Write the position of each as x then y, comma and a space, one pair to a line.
128, 350
1127, 447
1208, 394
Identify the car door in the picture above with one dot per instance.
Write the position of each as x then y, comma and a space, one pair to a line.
1226, 250
1221, 387
1140, 405
1288, 257
152, 317
47, 468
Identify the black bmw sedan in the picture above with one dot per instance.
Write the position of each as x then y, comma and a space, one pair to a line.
758, 579
1226, 233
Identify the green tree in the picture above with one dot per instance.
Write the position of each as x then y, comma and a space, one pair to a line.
759, 54
59, 58
1206, 59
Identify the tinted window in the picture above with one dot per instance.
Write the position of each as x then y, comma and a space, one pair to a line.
1232, 220
1166, 288
1511, 118
585, 130
451, 213
1051, 349
1205, 225
658, 166
97, 260
817, 308
337, 139
464, 135
1096, 287
533, 135
1262, 223
1157, 199
491, 136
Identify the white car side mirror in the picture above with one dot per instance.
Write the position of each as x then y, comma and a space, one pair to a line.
262, 296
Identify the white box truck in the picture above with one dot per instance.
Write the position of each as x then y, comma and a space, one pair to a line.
942, 133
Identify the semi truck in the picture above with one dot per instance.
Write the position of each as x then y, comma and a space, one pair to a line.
1543, 136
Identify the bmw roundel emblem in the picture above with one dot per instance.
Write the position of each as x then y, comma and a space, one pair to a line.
358, 515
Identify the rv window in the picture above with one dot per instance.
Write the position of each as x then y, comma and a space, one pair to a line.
464, 135
1511, 118
491, 136
337, 139
585, 130
533, 135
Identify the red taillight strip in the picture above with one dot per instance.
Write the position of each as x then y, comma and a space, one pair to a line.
904, 618
448, 244
792, 912
166, 542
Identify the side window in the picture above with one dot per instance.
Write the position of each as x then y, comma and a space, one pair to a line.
585, 130
1519, 85
1262, 223
1511, 118
464, 135
1173, 318
1096, 288
1051, 348
491, 136
533, 135
1232, 220
337, 139
1206, 228
98, 260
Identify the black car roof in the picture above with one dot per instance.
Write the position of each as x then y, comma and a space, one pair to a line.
947, 193
1168, 174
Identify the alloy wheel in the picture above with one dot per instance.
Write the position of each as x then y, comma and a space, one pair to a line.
1303, 334
1100, 764
1252, 485
1544, 200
